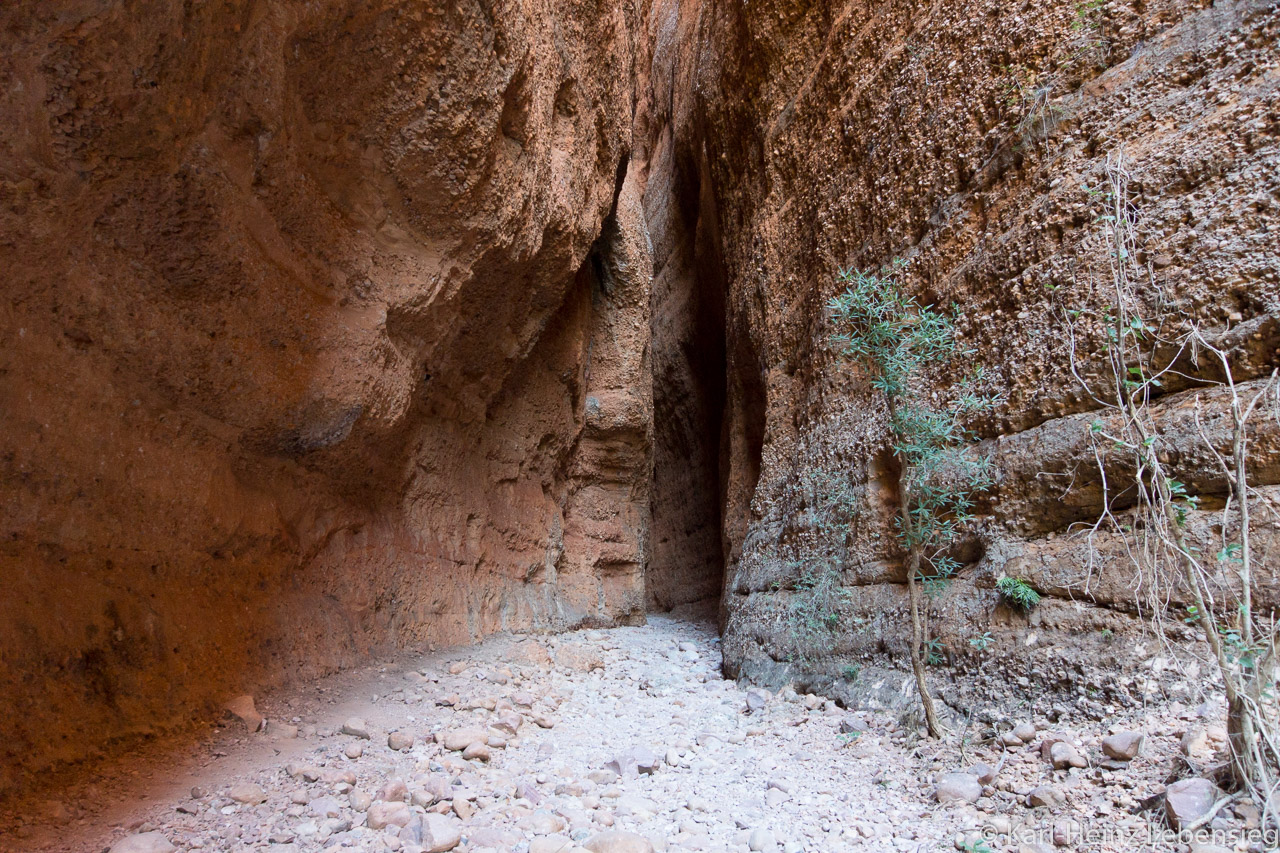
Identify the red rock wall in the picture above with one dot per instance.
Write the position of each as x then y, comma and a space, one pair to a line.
964, 139
325, 329
337, 325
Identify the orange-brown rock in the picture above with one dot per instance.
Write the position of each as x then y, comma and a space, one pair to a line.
337, 325
325, 329
970, 141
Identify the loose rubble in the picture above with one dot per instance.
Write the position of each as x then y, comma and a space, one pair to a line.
629, 741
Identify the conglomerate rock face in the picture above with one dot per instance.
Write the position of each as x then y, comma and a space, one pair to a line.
970, 142
333, 325
325, 327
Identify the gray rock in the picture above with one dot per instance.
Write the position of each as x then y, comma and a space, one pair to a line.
546, 844
634, 762
325, 807
440, 833
618, 842
145, 842
1048, 796
356, 727
382, 815
756, 700
1025, 732
508, 722
459, 739
1063, 755
305, 772
394, 790
984, 773
762, 841
247, 793
1188, 800
478, 751
400, 741
1122, 746
1046, 745
851, 725
962, 787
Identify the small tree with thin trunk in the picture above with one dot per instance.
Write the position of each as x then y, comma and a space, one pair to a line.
897, 341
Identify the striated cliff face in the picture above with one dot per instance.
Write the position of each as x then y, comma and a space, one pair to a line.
970, 141
333, 326
325, 328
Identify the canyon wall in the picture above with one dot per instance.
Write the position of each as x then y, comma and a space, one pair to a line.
333, 327
326, 330
970, 142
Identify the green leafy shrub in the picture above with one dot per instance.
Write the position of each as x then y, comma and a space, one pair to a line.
1018, 593
898, 343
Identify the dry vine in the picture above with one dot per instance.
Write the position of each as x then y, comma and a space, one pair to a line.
1148, 508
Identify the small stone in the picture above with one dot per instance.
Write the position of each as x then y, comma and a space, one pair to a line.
1122, 746
305, 772
852, 725
247, 793
477, 751
400, 741
543, 822
579, 657
984, 773
960, 787
286, 731
1188, 800
762, 841
1194, 741
242, 708
1025, 732
393, 791
457, 667
440, 833
550, 844
463, 808
353, 750
459, 739
615, 841
508, 722
145, 842
382, 815
325, 807
356, 727
1010, 740
360, 800
1063, 755
531, 652
1046, 795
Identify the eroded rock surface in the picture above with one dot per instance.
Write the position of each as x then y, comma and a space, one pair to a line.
970, 142
338, 325
326, 329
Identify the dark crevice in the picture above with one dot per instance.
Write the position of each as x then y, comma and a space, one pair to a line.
690, 399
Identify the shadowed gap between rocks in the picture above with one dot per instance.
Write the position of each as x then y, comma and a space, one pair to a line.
686, 568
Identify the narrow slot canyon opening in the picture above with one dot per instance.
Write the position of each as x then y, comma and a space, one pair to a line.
690, 398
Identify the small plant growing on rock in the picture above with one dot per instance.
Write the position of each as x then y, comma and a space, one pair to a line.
1017, 593
983, 642
816, 559
897, 341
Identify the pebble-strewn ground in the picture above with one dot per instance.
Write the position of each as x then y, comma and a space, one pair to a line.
622, 740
